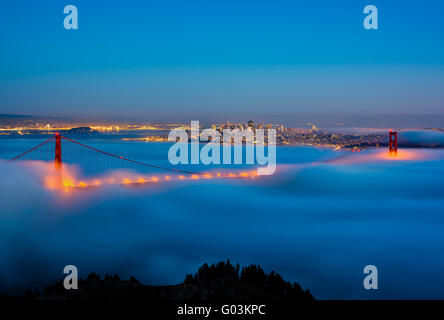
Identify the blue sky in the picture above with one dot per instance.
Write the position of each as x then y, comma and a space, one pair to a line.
210, 59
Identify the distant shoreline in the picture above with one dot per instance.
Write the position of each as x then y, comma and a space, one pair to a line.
314, 139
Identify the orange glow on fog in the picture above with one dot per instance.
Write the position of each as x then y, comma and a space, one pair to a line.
64, 180
385, 155
56, 179
111, 180
401, 155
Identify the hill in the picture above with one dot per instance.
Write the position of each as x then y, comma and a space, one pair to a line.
217, 282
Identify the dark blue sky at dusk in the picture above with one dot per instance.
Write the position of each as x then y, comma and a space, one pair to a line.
221, 59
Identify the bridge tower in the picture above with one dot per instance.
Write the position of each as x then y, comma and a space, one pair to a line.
58, 151
393, 142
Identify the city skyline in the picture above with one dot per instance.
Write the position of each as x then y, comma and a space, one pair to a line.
376, 121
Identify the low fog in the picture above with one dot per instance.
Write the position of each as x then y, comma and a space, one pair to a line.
316, 224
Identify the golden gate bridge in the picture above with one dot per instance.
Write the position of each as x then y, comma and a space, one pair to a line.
392, 146
51, 150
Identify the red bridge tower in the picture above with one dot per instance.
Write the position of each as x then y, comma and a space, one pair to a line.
393, 142
58, 151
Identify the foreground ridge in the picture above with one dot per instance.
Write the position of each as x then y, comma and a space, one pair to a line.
217, 282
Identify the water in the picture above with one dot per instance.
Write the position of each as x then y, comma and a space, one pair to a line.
316, 224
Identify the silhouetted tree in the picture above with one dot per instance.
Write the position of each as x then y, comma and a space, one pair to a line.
254, 275
93, 276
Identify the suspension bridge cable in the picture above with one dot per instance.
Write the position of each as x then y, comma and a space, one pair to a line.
342, 156
32, 149
130, 160
350, 153
404, 138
